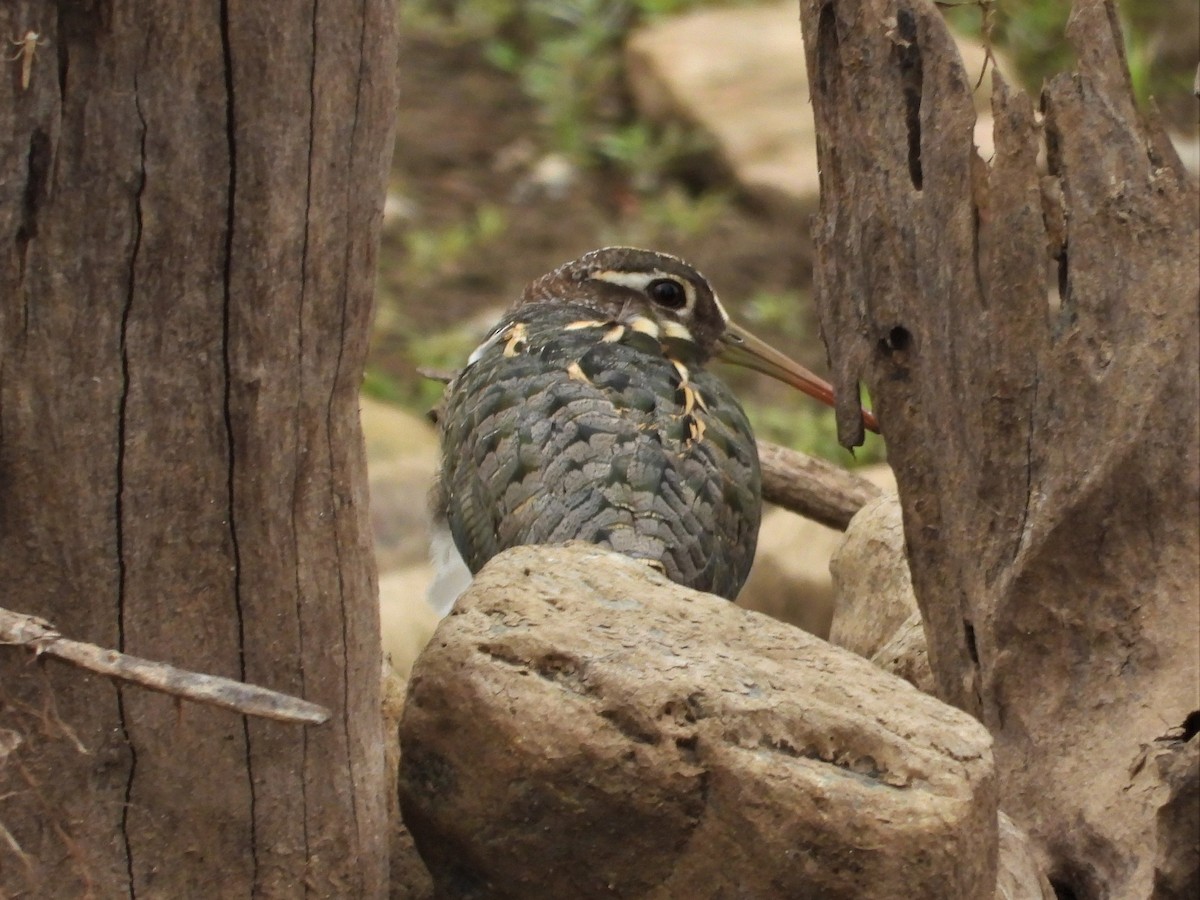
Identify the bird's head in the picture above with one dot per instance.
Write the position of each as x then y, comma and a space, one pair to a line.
663, 295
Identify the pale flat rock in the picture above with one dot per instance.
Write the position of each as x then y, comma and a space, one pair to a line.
581, 727
790, 578
406, 621
739, 74
402, 458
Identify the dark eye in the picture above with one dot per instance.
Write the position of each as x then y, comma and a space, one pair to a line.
667, 293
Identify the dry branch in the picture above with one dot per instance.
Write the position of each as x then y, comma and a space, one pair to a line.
812, 487
41, 637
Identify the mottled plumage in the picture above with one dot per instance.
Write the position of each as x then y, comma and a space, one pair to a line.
588, 414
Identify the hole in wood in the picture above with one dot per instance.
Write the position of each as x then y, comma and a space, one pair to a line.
912, 78
1063, 284
896, 341
1191, 726
1053, 297
827, 47
972, 649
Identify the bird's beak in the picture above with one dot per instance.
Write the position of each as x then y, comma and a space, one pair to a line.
740, 347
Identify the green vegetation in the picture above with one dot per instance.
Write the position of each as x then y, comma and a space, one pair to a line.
566, 57
811, 428
672, 214
1160, 42
774, 312
566, 54
431, 252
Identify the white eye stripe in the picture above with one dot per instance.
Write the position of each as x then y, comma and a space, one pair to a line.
721, 310
639, 281
635, 280
673, 329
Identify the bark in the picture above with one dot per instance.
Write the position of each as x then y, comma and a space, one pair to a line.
1045, 451
191, 198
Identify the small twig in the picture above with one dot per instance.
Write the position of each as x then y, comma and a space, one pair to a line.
40, 636
812, 487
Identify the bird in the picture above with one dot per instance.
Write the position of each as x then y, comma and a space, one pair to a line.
589, 413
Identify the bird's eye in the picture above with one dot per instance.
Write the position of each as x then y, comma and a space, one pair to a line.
667, 293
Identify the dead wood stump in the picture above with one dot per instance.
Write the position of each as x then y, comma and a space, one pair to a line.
1045, 449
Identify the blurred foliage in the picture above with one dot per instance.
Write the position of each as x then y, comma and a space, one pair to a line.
437, 353
649, 154
1162, 42
671, 215
776, 312
432, 252
812, 429
566, 56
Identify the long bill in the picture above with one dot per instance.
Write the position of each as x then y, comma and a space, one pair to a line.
740, 347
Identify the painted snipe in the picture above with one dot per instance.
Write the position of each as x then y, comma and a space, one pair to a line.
588, 414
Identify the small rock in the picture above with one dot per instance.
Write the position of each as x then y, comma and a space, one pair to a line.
551, 178
906, 655
790, 580
398, 208
1020, 875
871, 581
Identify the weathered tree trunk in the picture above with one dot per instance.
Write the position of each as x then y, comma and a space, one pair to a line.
190, 202
1046, 452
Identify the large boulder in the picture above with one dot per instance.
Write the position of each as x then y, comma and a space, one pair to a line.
581, 727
